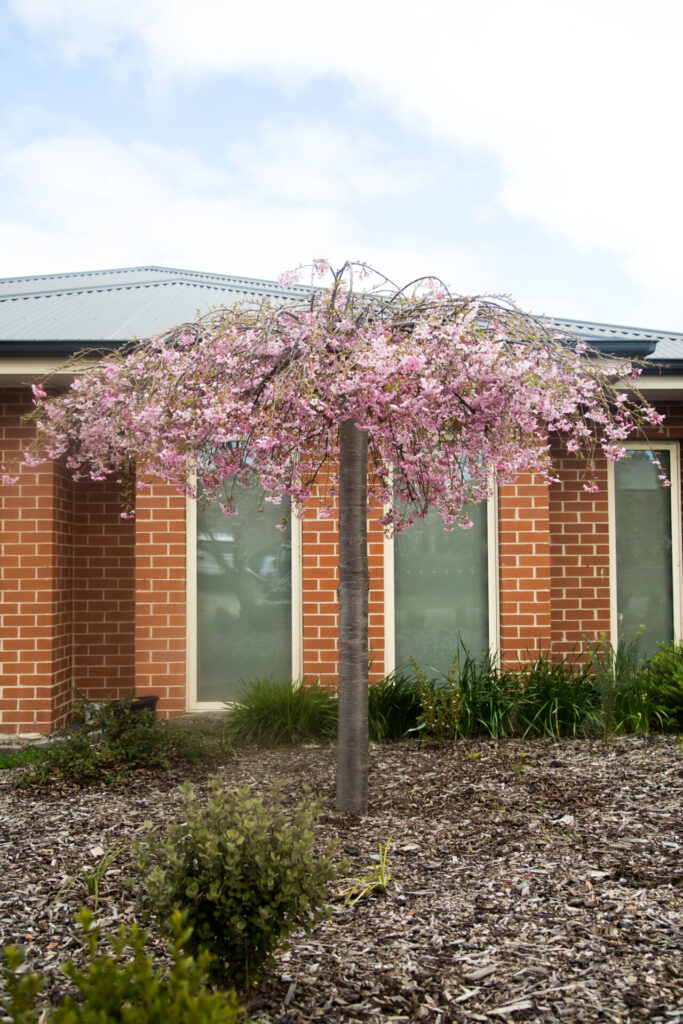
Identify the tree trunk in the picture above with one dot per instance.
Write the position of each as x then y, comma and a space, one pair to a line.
354, 581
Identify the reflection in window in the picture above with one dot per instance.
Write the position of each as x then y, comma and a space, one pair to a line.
244, 596
441, 591
644, 549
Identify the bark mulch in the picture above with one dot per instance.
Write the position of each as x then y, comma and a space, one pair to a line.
533, 881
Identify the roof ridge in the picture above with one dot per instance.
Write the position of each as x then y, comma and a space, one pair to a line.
175, 273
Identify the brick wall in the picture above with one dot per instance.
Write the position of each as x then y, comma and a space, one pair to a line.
524, 568
579, 557
35, 604
104, 593
320, 580
160, 598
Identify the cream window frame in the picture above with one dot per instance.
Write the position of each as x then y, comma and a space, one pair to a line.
192, 703
493, 590
673, 447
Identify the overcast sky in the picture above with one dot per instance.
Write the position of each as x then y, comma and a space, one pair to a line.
526, 147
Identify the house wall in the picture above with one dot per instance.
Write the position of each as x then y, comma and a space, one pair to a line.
67, 598
97, 604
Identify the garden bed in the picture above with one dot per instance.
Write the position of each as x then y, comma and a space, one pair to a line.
533, 881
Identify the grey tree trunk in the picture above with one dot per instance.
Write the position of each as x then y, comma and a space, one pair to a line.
354, 582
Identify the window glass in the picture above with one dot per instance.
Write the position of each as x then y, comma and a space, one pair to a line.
244, 596
644, 549
441, 591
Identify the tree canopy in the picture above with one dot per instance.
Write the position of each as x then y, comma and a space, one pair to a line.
456, 394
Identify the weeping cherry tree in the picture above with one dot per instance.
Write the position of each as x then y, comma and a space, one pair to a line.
387, 400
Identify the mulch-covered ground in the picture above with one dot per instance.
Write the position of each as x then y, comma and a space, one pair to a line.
532, 881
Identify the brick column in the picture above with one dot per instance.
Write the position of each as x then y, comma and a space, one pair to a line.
36, 658
524, 559
320, 580
579, 553
160, 608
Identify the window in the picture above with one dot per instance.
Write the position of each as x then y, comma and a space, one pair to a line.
645, 546
443, 587
245, 595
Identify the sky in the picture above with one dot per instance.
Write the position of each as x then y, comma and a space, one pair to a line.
518, 147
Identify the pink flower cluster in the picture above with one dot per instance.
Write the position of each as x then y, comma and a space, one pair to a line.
456, 396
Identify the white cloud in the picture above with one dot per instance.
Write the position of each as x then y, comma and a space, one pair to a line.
87, 202
578, 103
314, 163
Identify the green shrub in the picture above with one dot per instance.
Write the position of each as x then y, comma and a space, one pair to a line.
556, 697
545, 696
243, 870
108, 741
29, 755
122, 987
282, 712
473, 699
393, 706
663, 680
626, 702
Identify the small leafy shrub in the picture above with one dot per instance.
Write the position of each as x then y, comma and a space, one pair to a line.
243, 870
108, 741
393, 706
281, 712
663, 680
123, 986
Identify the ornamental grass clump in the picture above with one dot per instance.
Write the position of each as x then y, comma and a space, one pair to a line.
270, 711
243, 870
393, 706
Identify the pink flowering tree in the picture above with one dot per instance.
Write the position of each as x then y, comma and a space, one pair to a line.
400, 400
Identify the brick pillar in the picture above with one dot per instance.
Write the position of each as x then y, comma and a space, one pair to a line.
104, 593
36, 660
160, 601
320, 605
579, 553
524, 558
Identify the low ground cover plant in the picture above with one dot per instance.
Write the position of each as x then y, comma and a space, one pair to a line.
108, 741
121, 985
243, 870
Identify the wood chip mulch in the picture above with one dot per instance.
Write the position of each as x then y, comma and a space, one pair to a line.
533, 881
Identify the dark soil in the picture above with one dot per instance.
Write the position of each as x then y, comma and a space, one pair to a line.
532, 881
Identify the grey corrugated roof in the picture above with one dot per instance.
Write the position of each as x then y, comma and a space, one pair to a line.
644, 344
60, 313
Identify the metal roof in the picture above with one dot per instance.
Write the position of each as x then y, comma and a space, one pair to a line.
101, 308
634, 341
61, 313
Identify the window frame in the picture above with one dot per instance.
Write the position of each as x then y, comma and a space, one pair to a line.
493, 590
192, 703
673, 447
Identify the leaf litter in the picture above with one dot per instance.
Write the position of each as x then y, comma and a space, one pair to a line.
532, 881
